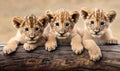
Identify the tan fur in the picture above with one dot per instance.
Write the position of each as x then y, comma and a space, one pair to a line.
62, 25
97, 33
30, 33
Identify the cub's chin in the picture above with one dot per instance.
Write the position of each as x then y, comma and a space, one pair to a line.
32, 41
96, 35
61, 37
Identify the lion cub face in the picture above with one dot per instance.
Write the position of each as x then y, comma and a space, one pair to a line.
30, 27
97, 21
62, 22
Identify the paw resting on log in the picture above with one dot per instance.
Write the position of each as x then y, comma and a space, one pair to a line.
61, 59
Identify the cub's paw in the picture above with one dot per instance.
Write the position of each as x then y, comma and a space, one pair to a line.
112, 42
95, 54
9, 49
77, 48
50, 45
29, 47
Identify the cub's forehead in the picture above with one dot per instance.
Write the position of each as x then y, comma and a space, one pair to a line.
62, 14
30, 20
98, 14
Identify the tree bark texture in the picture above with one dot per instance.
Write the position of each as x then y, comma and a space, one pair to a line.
62, 59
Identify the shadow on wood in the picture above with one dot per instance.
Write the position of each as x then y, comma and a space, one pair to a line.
62, 59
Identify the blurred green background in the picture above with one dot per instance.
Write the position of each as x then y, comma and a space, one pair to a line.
11, 8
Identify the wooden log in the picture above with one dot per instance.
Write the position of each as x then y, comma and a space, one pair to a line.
62, 59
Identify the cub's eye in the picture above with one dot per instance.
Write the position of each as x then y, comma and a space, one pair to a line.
91, 22
67, 24
26, 29
102, 23
36, 29
57, 24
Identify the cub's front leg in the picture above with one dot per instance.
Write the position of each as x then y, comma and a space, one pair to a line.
112, 41
76, 44
11, 46
51, 42
93, 49
30, 46
109, 39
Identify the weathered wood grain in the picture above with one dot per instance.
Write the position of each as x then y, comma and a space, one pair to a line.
63, 59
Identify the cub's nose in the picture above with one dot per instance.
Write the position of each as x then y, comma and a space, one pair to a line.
32, 37
97, 31
62, 33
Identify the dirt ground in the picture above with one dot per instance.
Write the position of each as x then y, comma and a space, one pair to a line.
11, 8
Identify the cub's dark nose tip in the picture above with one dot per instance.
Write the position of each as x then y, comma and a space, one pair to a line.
32, 38
62, 34
96, 33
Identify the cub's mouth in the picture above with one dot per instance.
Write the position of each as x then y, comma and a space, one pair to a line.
96, 34
61, 37
32, 41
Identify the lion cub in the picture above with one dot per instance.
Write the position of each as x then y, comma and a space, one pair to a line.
97, 30
30, 33
62, 30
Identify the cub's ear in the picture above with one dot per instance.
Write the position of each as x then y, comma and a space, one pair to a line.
84, 12
43, 21
50, 15
17, 21
111, 15
75, 16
